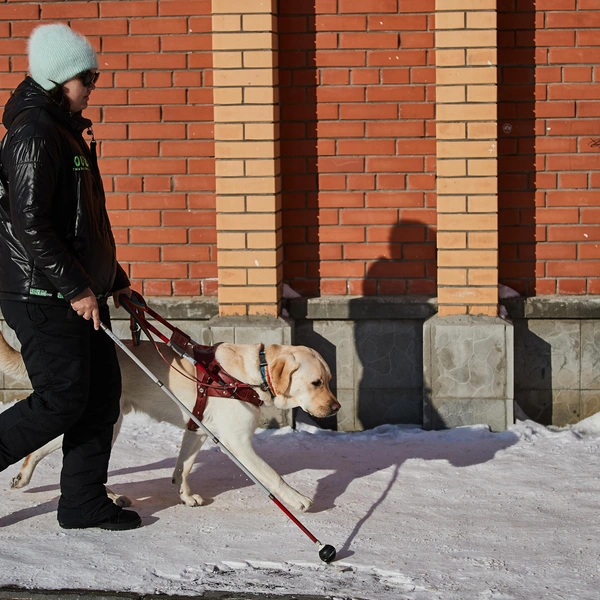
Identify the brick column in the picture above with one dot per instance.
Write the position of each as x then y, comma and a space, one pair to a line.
248, 184
468, 351
467, 172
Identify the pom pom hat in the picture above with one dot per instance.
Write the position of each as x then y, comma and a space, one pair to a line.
57, 53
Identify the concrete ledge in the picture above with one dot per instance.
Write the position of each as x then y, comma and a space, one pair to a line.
377, 307
355, 308
553, 307
422, 307
182, 308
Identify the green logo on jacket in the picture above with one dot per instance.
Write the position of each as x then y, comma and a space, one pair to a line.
44, 293
80, 163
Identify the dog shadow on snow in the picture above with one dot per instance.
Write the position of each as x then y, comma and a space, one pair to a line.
335, 461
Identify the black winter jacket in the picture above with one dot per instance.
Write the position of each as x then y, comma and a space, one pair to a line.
55, 236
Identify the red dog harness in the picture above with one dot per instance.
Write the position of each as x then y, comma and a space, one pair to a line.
213, 380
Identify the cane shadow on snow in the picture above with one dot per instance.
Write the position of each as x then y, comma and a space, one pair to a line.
413, 445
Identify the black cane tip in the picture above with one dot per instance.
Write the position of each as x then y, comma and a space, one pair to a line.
327, 553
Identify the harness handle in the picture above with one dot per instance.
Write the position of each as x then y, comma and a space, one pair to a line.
136, 306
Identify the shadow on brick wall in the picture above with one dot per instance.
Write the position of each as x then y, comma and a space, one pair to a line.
518, 182
300, 181
516, 144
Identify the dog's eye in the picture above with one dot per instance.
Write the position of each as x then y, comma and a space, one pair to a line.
317, 383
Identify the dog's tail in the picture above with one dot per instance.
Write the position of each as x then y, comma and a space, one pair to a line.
11, 362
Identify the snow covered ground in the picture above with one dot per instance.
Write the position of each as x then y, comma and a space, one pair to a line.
461, 514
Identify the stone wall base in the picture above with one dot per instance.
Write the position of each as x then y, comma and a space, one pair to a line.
467, 372
375, 349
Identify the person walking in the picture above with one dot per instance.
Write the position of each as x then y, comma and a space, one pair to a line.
58, 266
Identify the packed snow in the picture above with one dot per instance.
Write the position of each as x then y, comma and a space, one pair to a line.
459, 514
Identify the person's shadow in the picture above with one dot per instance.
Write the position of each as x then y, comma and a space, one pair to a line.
376, 355
388, 337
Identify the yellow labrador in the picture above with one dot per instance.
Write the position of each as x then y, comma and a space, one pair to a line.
299, 376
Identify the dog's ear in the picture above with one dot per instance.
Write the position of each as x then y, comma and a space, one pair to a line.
281, 370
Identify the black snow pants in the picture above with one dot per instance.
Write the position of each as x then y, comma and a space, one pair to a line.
76, 381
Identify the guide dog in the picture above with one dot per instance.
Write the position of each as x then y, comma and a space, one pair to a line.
299, 377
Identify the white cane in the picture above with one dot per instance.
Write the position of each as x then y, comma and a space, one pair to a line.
326, 551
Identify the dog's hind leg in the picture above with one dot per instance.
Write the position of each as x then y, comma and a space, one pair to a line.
23, 478
117, 498
190, 446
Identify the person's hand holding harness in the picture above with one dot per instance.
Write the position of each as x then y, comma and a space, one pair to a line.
125, 291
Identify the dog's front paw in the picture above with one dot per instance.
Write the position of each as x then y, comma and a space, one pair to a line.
299, 502
192, 499
306, 503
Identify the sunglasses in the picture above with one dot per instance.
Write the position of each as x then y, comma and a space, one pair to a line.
89, 77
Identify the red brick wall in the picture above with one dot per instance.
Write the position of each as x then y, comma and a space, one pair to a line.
153, 118
358, 144
549, 121
358, 140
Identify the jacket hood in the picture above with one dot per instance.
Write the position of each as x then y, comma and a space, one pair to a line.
28, 95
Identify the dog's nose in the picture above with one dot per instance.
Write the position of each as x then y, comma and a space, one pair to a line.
335, 406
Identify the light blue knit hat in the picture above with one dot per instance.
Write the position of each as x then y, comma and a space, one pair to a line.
57, 53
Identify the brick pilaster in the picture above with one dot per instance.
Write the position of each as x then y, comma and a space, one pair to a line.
247, 154
467, 149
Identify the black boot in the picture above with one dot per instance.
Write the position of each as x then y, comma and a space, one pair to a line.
120, 521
